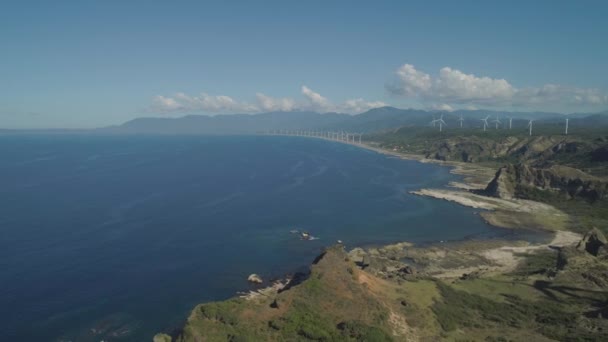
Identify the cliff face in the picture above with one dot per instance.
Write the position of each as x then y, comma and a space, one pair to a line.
539, 151
516, 180
503, 184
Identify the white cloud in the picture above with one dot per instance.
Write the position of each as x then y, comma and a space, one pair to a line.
316, 101
454, 87
165, 103
454, 84
205, 103
441, 107
413, 82
271, 104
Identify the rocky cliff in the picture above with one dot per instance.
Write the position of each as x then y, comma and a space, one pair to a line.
517, 180
537, 151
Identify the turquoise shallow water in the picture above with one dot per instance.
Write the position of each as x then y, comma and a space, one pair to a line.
117, 238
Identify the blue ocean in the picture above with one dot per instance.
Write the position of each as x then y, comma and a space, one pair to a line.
116, 238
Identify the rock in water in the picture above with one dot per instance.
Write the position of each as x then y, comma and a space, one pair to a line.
254, 278
162, 338
593, 242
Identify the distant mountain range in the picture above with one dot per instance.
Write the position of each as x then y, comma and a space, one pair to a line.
377, 119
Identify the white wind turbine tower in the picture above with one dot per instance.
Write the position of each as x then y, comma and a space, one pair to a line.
461, 120
441, 122
496, 121
510, 122
530, 125
485, 122
567, 125
433, 121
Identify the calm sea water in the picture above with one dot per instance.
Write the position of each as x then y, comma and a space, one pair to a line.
117, 238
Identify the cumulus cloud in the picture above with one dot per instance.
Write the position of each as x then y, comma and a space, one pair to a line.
165, 103
315, 99
205, 103
454, 84
454, 87
441, 107
271, 104
413, 82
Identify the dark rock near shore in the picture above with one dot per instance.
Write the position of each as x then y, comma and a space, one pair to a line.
407, 270
594, 243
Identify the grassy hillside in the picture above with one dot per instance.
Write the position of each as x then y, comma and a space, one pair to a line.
587, 151
337, 302
340, 302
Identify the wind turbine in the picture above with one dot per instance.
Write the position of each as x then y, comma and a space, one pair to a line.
510, 122
567, 125
496, 121
441, 122
530, 125
485, 122
461, 120
434, 121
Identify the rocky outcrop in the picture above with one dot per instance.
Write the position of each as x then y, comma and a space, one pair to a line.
586, 264
540, 151
502, 185
600, 154
254, 278
594, 243
162, 338
461, 149
517, 181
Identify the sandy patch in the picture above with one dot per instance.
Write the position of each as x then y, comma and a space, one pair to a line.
484, 202
507, 257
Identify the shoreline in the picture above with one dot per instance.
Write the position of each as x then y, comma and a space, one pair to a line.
512, 214
497, 212
501, 213
452, 260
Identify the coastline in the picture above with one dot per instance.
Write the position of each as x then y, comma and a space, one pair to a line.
514, 214
498, 212
451, 261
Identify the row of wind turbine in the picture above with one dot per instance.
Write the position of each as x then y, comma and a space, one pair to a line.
496, 122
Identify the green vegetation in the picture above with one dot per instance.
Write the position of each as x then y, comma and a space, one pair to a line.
585, 150
583, 215
541, 262
460, 309
223, 312
327, 306
303, 320
339, 302
358, 331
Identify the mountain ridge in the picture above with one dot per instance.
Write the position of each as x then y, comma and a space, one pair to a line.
376, 119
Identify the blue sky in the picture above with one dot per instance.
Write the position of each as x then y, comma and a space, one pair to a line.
98, 63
